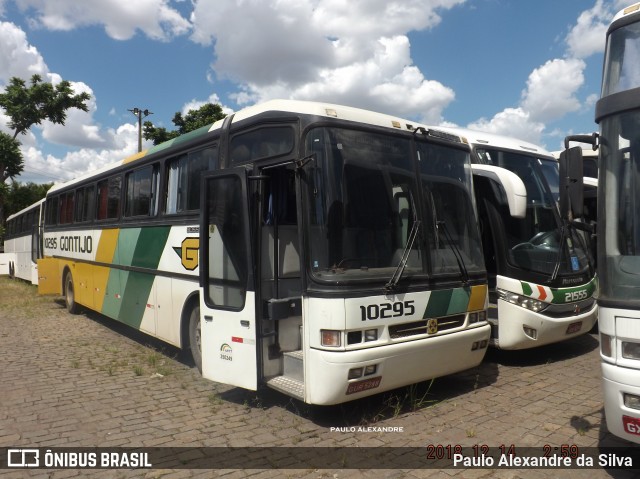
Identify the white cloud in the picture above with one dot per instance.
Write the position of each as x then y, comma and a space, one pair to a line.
551, 89
587, 36
46, 168
514, 122
98, 146
327, 50
120, 18
17, 57
195, 104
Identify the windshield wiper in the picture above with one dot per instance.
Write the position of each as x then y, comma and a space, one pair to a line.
397, 274
464, 274
565, 235
456, 252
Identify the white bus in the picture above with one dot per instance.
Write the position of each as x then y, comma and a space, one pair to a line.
618, 114
337, 250
541, 275
23, 242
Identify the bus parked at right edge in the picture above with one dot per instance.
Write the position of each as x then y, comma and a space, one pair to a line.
618, 228
541, 273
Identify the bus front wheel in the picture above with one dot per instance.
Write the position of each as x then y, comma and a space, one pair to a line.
70, 295
195, 338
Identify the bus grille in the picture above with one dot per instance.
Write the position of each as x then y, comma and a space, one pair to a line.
420, 327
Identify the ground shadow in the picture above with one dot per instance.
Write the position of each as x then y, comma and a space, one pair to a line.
551, 353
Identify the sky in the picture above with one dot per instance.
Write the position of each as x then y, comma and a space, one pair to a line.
523, 68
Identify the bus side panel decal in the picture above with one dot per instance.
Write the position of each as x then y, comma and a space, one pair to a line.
478, 298
137, 287
104, 254
455, 301
151, 244
438, 303
122, 256
127, 291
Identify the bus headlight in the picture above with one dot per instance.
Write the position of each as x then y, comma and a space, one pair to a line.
631, 401
330, 338
523, 301
630, 350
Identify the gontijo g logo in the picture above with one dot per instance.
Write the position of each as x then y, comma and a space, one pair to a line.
188, 252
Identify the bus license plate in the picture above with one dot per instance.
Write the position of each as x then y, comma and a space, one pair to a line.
631, 425
364, 385
574, 327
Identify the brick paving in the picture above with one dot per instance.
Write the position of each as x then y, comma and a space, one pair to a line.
85, 381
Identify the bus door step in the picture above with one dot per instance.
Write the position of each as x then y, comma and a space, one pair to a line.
293, 365
288, 386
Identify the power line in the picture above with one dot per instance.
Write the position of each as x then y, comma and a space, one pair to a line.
43, 173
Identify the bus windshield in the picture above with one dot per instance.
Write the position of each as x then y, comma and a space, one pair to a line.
533, 242
369, 207
619, 226
622, 69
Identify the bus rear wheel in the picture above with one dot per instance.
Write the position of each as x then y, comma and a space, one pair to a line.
195, 337
70, 295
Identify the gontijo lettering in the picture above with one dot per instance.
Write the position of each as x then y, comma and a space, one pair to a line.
76, 244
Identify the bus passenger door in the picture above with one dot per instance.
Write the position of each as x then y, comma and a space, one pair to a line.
227, 292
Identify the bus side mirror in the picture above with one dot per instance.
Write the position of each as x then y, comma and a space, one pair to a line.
571, 184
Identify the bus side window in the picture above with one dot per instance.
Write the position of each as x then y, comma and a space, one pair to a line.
84, 204
52, 211
261, 143
183, 179
65, 215
141, 188
108, 204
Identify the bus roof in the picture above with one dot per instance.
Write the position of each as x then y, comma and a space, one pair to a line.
328, 110
24, 210
476, 137
635, 8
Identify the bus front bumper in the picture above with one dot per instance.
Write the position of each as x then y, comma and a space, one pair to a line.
396, 365
521, 328
617, 381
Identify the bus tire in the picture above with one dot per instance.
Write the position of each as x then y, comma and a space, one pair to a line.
195, 336
70, 295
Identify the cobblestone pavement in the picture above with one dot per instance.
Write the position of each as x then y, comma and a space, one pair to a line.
80, 381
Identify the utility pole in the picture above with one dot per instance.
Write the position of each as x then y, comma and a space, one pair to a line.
140, 114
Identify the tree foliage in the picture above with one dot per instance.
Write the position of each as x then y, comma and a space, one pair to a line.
11, 163
28, 105
17, 196
194, 119
20, 195
31, 105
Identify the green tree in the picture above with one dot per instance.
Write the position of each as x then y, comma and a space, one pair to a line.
27, 106
194, 119
18, 196
21, 195
11, 163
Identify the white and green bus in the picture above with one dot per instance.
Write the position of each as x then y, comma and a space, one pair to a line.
618, 228
328, 252
541, 273
23, 243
